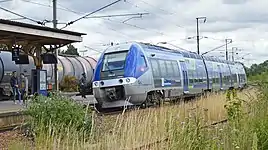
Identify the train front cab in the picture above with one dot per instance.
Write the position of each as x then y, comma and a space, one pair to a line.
121, 75
241, 75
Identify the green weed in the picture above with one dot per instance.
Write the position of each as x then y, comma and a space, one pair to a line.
181, 125
57, 114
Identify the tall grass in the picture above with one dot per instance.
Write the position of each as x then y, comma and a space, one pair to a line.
56, 117
174, 127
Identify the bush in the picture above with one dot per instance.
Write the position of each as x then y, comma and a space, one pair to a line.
69, 84
58, 114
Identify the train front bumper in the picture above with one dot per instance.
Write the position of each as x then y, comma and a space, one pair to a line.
112, 93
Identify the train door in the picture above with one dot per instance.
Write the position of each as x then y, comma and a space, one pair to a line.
1, 70
238, 76
220, 76
184, 76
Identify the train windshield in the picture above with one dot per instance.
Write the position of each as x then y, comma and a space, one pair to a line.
114, 61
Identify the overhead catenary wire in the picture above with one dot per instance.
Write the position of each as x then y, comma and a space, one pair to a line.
169, 12
47, 5
93, 49
217, 48
22, 16
80, 13
2, 1
138, 6
36, 3
138, 27
119, 15
104, 17
67, 9
72, 22
107, 16
14, 19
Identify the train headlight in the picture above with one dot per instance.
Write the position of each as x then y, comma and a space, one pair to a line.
120, 81
102, 83
128, 80
95, 83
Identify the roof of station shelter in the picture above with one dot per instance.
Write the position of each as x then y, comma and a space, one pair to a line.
23, 33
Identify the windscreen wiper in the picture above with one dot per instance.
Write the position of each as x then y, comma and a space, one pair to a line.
106, 64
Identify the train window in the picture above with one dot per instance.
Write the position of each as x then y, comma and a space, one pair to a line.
185, 54
200, 75
208, 58
169, 69
198, 56
114, 61
191, 81
163, 68
142, 62
190, 75
195, 76
176, 69
155, 68
192, 55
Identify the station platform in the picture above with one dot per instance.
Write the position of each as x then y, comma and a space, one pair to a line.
9, 106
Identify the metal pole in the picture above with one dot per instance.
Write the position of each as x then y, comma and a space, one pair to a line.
233, 54
226, 50
197, 31
197, 35
56, 51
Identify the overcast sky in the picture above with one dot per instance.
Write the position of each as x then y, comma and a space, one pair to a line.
172, 21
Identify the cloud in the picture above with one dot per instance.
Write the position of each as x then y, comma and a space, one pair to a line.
244, 21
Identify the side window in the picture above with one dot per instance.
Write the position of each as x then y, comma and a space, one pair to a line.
155, 68
191, 77
198, 56
192, 55
200, 73
143, 61
163, 69
169, 69
176, 69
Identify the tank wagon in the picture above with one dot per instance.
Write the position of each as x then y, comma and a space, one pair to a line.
67, 65
143, 74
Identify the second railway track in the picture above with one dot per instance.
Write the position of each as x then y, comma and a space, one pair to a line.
11, 120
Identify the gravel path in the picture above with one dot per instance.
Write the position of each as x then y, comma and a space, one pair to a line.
12, 140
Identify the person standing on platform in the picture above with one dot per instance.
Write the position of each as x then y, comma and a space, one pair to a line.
14, 82
82, 84
23, 86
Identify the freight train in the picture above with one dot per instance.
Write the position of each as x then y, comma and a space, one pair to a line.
143, 73
67, 65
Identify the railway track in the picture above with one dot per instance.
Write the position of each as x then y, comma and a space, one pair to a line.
149, 145
11, 120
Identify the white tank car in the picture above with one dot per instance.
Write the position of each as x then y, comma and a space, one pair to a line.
67, 65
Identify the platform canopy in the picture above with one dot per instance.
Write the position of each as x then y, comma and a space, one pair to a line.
34, 40
23, 33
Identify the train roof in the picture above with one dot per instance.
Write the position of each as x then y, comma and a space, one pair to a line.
183, 52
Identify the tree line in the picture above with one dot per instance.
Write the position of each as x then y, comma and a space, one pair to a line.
257, 69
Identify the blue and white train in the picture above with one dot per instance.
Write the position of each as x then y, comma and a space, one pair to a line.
141, 74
